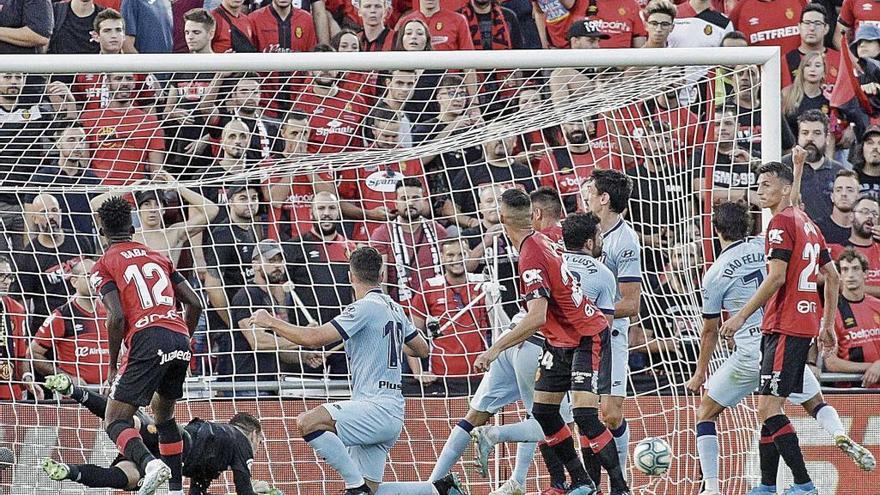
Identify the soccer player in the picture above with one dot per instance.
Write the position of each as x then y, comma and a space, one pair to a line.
376, 333
796, 251
576, 356
209, 449
140, 289
583, 243
728, 284
607, 195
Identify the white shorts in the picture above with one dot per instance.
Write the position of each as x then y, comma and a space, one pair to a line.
740, 375
511, 378
369, 430
619, 357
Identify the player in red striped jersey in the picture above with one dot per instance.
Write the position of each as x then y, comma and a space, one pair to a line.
140, 289
577, 354
796, 253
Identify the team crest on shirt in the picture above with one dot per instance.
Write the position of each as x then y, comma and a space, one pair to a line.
708, 30
621, 11
438, 26
789, 14
26, 114
349, 311
754, 21
867, 6
298, 32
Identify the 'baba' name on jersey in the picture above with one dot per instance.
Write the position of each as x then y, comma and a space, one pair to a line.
133, 253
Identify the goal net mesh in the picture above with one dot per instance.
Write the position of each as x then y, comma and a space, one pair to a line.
213, 162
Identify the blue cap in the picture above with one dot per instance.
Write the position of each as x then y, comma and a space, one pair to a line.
866, 32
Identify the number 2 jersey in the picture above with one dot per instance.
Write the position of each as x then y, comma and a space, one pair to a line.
795, 309
145, 280
543, 273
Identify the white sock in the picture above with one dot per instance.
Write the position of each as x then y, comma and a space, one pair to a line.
621, 441
455, 445
829, 420
410, 488
330, 448
524, 431
707, 448
525, 453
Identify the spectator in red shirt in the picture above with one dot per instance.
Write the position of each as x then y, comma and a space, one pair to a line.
15, 375
566, 167
335, 114
375, 37
235, 31
856, 323
73, 340
291, 196
554, 17
864, 239
282, 28
454, 351
769, 22
659, 20
449, 30
853, 15
126, 142
813, 29
409, 243
621, 20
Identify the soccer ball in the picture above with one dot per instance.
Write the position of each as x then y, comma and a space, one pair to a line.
652, 456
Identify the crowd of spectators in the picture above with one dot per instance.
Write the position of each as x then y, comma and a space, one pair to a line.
281, 243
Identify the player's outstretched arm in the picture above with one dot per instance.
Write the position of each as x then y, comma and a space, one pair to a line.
417, 347
536, 316
708, 341
194, 308
630, 300
115, 327
775, 279
305, 336
827, 336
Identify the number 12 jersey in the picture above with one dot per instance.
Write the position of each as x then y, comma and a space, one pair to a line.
145, 280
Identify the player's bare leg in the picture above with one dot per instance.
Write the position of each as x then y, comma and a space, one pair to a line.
707, 443
829, 420
119, 418
170, 441
601, 441
781, 433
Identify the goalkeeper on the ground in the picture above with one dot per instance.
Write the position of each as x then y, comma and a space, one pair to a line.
209, 449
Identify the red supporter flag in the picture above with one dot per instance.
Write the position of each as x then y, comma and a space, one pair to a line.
847, 85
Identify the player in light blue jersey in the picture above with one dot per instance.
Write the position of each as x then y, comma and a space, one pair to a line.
727, 286
583, 243
355, 436
606, 194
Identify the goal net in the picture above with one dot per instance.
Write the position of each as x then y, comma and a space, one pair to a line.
323, 153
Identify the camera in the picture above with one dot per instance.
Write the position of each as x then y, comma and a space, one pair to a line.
432, 325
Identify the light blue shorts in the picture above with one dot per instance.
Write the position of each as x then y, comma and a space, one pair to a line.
369, 430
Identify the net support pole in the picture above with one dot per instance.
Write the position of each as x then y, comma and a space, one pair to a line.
771, 115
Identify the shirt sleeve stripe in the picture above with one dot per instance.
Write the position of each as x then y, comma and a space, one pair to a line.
410, 337
711, 316
780, 254
340, 329
629, 279
108, 288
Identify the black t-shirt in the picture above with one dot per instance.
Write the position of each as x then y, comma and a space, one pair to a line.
191, 89
264, 135
78, 213
808, 103
228, 248
42, 274
725, 175
210, 449
506, 267
244, 363
870, 184
35, 14
670, 315
465, 184
749, 129
834, 234
73, 34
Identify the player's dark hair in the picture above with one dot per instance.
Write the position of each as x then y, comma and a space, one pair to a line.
732, 220
246, 422
734, 35
617, 185
866, 197
115, 215
398, 38
380, 113
200, 16
849, 255
814, 7
660, 7
578, 228
516, 199
813, 116
107, 15
548, 199
452, 241
779, 169
366, 264
847, 173
295, 115
408, 182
